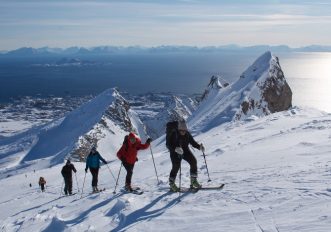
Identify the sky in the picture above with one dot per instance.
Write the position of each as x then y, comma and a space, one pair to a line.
65, 23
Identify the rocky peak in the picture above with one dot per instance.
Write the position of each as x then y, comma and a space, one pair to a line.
271, 92
261, 89
216, 83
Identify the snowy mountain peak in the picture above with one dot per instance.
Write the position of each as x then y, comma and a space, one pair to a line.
260, 90
103, 121
258, 67
217, 82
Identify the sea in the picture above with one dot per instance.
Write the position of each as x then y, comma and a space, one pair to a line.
308, 74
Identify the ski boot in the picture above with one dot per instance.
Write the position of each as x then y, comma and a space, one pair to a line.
194, 183
173, 186
95, 189
128, 187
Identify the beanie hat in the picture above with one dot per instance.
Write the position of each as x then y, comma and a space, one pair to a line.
182, 126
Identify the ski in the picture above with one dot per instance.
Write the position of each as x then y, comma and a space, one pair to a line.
136, 191
211, 187
194, 190
99, 191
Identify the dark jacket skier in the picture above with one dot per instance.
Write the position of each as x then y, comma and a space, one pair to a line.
128, 155
93, 163
178, 144
67, 175
42, 183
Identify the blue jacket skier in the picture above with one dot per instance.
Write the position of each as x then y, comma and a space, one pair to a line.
93, 163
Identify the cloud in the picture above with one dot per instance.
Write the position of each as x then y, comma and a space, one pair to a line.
150, 22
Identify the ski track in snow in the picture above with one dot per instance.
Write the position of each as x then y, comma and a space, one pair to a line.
276, 170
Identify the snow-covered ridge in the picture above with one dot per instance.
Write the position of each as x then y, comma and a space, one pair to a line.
100, 120
260, 90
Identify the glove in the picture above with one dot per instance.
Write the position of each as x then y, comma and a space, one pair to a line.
123, 160
179, 151
105, 162
86, 170
137, 159
149, 140
202, 148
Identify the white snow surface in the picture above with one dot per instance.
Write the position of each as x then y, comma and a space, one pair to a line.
276, 171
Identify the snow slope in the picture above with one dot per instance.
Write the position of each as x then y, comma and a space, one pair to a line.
276, 170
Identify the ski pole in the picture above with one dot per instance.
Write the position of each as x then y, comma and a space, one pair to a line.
118, 176
180, 174
83, 186
204, 156
111, 173
77, 182
157, 177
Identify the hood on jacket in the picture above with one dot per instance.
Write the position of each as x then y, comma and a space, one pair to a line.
133, 138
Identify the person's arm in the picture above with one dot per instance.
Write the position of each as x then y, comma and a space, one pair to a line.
193, 142
87, 162
102, 159
143, 146
74, 169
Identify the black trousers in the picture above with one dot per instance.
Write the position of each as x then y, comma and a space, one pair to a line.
68, 185
176, 162
42, 186
129, 172
95, 173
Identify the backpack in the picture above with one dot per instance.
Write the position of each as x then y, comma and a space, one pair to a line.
171, 127
126, 142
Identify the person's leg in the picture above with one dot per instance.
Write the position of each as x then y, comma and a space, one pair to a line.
175, 161
129, 173
94, 172
70, 185
189, 157
66, 186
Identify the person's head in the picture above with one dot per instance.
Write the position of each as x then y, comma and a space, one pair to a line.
68, 161
132, 138
182, 128
94, 149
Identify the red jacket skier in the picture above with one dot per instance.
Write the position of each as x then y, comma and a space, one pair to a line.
128, 155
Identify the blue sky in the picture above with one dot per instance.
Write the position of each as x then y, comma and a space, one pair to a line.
65, 23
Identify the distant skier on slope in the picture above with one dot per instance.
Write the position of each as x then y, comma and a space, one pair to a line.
177, 140
128, 155
42, 183
66, 172
93, 163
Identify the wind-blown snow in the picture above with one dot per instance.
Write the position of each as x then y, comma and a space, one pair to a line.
276, 170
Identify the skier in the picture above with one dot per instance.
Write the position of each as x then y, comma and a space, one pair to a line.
67, 175
177, 143
42, 183
93, 163
128, 155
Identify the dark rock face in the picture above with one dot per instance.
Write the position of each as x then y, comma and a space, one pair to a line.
276, 91
272, 93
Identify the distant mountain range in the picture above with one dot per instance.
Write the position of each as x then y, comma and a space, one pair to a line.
100, 50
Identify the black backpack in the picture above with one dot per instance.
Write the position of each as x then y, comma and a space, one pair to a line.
126, 142
171, 127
